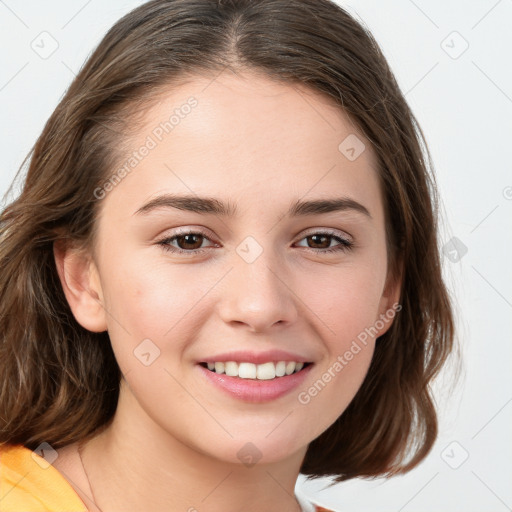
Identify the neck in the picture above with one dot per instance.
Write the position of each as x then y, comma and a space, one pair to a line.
134, 465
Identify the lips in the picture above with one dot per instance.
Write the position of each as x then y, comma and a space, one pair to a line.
255, 377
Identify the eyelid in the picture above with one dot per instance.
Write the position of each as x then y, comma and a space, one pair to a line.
187, 230
328, 231
207, 233
164, 241
344, 243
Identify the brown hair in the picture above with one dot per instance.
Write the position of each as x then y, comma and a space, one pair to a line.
60, 382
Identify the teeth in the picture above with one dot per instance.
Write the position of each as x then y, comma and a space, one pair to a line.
280, 369
290, 367
231, 369
265, 371
247, 370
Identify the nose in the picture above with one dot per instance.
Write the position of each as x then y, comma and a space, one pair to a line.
258, 295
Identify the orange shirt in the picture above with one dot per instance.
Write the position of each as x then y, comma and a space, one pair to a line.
28, 483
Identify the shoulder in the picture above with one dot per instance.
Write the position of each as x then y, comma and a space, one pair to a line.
28, 481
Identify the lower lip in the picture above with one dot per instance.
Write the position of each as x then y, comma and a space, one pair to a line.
253, 390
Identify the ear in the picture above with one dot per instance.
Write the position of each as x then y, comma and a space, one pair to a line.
81, 284
389, 305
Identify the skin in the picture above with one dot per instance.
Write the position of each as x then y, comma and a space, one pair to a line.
174, 439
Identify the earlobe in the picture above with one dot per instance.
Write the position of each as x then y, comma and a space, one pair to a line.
81, 285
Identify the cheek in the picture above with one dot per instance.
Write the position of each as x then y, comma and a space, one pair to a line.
346, 302
336, 384
348, 310
348, 313
159, 301
153, 298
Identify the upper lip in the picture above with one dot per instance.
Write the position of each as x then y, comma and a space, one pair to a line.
243, 356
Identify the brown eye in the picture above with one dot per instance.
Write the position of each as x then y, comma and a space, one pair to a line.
321, 243
320, 240
188, 242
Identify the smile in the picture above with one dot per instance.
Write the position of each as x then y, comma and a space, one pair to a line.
256, 383
265, 371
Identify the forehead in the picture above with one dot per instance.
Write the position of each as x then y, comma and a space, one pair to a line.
246, 137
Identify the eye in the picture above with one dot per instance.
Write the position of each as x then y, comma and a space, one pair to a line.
323, 238
185, 240
189, 242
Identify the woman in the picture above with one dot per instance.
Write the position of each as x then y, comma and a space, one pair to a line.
295, 335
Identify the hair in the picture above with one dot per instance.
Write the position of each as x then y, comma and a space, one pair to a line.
60, 382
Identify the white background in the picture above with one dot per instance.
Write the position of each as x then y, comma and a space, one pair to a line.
464, 104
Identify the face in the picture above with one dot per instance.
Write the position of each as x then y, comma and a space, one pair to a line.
277, 257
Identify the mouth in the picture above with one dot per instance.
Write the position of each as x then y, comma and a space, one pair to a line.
252, 382
270, 370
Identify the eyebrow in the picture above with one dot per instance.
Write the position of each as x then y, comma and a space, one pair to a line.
210, 205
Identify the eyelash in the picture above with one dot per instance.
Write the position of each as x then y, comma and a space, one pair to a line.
344, 246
